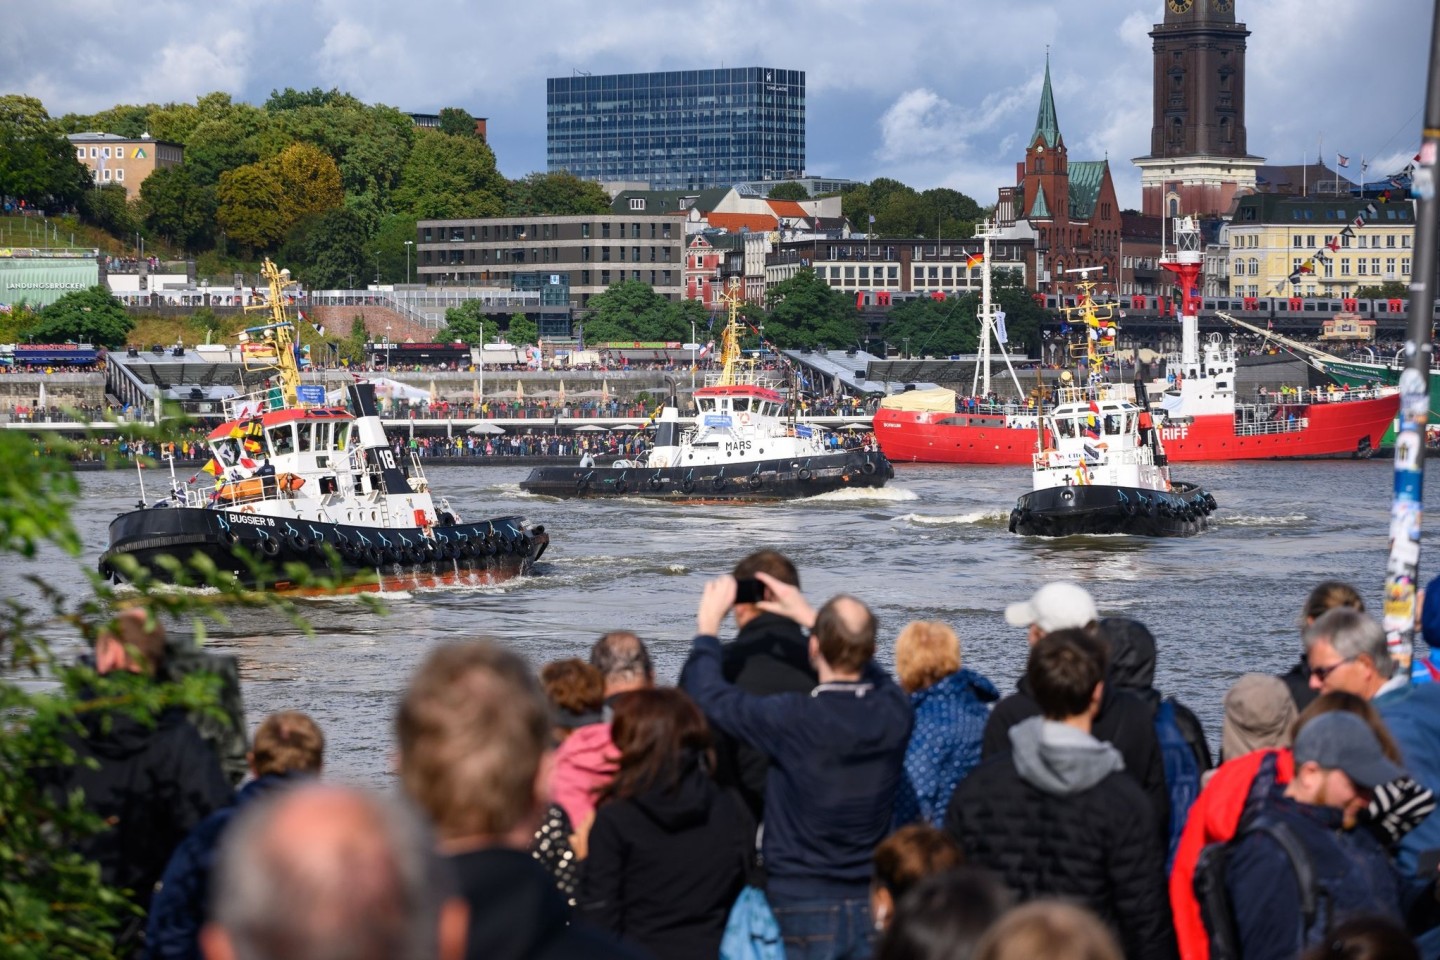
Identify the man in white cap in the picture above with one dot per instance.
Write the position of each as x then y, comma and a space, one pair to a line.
1124, 719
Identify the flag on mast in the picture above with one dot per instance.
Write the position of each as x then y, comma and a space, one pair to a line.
1341, 160
974, 260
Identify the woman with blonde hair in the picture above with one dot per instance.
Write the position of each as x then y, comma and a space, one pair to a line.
951, 707
1326, 596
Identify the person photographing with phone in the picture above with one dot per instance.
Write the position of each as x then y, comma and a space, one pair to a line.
835, 762
770, 654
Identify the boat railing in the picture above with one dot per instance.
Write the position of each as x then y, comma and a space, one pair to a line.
745, 378
1095, 391
1128, 456
253, 404
1260, 428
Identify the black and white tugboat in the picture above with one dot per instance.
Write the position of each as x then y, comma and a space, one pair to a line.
1101, 466
300, 480
742, 444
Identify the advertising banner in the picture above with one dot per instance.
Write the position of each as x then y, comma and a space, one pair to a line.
40, 281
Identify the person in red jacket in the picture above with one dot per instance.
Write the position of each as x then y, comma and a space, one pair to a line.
1215, 815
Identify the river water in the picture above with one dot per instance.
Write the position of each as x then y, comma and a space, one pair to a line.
931, 545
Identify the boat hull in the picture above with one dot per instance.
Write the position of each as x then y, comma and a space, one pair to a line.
1340, 430
1093, 509
494, 549
749, 481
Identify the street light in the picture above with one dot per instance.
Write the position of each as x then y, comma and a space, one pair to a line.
408, 245
377, 267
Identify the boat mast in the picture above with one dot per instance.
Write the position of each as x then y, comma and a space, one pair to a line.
987, 231
730, 337
1185, 263
278, 335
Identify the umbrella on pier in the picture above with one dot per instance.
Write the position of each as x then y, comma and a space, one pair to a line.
590, 428
628, 426
561, 397
519, 390
434, 394
485, 426
604, 389
475, 391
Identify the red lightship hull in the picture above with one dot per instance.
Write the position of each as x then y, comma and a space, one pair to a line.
1329, 430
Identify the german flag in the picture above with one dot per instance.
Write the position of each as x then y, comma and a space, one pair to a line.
974, 260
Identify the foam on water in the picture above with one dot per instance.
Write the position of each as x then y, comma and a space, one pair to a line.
1279, 520
851, 494
979, 516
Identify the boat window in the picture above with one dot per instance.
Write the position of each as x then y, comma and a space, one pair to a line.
342, 437
322, 436
1065, 427
707, 405
1112, 424
741, 403
307, 435
282, 439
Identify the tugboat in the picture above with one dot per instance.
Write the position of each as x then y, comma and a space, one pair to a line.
299, 480
742, 444
1101, 466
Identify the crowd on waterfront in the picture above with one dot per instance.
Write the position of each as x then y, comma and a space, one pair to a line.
789, 797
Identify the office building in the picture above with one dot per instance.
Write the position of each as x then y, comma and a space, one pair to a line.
682, 130
111, 158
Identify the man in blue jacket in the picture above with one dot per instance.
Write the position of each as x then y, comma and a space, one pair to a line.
836, 755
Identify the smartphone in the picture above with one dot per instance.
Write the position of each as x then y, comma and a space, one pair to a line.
749, 590
1428, 862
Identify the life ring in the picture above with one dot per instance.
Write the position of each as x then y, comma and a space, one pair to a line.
270, 547
754, 481
804, 475
744, 419
687, 485
247, 509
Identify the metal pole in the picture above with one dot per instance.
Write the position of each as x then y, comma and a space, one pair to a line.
1402, 572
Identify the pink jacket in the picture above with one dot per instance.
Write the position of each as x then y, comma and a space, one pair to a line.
584, 763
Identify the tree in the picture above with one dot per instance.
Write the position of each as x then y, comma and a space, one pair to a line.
309, 182
558, 194
632, 310
37, 163
789, 190
456, 122
806, 312
448, 177
467, 324
251, 200
328, 249
1389, 290
178, 208
522, 330
85, 316
108, 208
935, 327
292, 99
228, 137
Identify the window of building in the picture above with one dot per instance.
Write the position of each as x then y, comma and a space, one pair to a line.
634, 274
635, 232
1345, 240
94, 152
1375, 266
605, 231
105, 174
604, 278
1254, 267
605, 254
637, 203
119, 173
1344, 266
1298, 241
1390, 240
635, 254
1360, 267
80, 153
1405, 266
1390, 265
584, 231
584, 254
585, 277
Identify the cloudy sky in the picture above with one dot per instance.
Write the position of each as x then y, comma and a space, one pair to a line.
929, 92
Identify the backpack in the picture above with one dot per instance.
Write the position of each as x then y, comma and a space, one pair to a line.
1182, 773
1211, 892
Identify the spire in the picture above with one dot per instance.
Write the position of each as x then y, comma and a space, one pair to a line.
1039, 210
1045, 123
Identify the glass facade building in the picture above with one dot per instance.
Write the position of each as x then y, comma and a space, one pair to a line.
684, 130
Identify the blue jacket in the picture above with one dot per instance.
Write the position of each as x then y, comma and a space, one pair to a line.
1412, 715
182, 900
1349, 865
950, 719
836, 756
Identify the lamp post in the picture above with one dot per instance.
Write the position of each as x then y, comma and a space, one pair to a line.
377, 267
693, 345
408, 245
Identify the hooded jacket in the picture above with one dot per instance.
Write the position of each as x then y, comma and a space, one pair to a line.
517, 914
1132, 669
1124, 720
584, 764
769, 655
666, 864
950, 718
182, 899
836, 755
1056, 816
151, 783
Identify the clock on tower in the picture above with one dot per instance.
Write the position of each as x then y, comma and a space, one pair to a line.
1180, 6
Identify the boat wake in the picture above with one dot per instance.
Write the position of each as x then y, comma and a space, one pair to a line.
1281, 520
979, 516
852, 494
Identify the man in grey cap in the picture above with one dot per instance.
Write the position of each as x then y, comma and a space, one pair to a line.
1124, 720
1300, 830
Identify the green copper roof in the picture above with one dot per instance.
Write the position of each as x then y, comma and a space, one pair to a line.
1045, 123
1039, 210
1085, 179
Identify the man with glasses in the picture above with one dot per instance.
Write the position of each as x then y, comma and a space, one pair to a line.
1346, 651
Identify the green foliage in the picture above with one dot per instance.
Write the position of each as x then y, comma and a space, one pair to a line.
900, 211
468, 324
292, 99
37, 163
1390, 289
522, 331
450, 177
227, 137
632, 310
456, 122
330, 248
935, 327
251, 198
109, 208
84, 316
560, 194
806, 312
789, 190
178, 208
389, 239
309, 181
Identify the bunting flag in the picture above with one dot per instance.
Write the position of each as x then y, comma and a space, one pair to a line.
212, 467
975, 259
1307, 266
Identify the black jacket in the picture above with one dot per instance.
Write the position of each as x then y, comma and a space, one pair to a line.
769, 655
1297, 679
1097, 846
1124, 720
665, 866
1132, 669
517, 914
153, 783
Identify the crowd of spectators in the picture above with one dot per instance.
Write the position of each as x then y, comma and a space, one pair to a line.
788, 797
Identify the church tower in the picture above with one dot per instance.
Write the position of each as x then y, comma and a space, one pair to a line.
1198, 162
